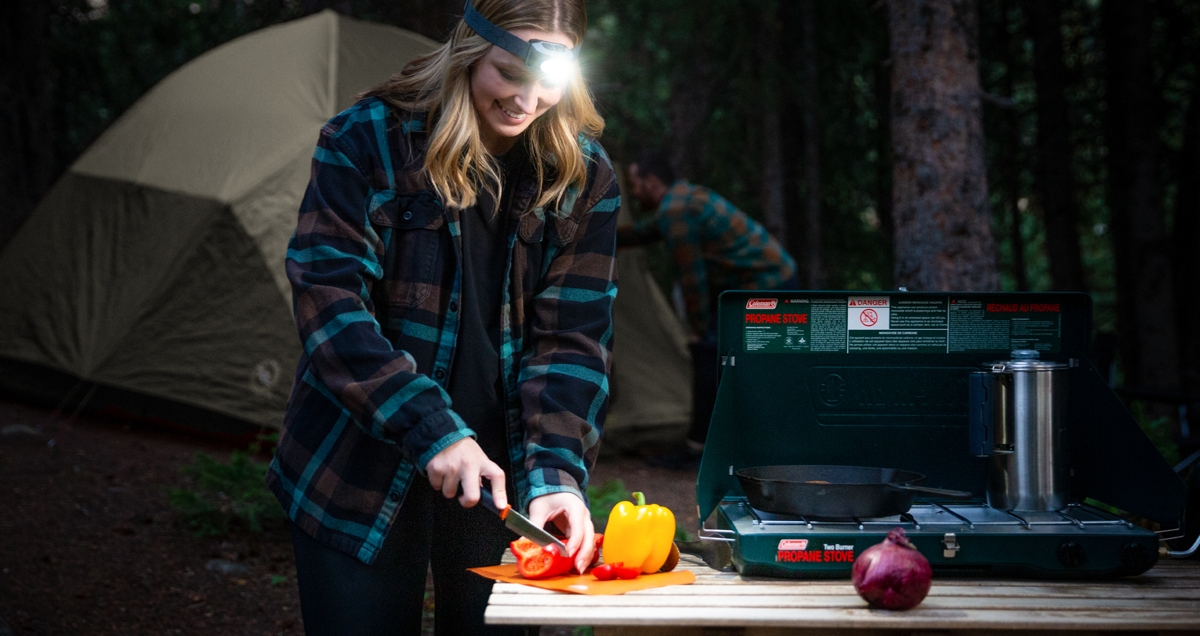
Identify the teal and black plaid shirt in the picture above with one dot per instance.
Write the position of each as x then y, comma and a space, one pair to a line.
715, 247
375, 269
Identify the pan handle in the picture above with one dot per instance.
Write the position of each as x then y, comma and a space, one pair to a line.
953, 494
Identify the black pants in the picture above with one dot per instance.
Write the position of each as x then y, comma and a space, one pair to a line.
341, 595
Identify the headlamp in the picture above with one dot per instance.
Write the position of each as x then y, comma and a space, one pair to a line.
555, 61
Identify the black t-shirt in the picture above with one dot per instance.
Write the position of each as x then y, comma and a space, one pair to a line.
475, 388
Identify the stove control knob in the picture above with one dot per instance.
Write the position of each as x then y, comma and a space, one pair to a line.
1071, 554
1135, 557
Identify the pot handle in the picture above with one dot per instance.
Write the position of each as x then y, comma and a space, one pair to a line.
953, 494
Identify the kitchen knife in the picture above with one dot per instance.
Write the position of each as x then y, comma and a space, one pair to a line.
519, 524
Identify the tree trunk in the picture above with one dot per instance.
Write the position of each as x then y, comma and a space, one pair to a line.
883, 161
1009, 155
687, 109
944, 235
1145, 307
1185, 243
774, 217
1052, 169
814, 259
26, 130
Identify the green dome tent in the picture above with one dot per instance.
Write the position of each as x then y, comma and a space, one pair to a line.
153, 269
150, 277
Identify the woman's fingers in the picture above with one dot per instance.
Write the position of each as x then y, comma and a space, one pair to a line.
459, 464
492, 472
451, 483
570, 514
583, 537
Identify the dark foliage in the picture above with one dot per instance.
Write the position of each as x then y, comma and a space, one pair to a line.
696, 79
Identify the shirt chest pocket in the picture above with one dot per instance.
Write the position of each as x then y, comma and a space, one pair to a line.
409, 226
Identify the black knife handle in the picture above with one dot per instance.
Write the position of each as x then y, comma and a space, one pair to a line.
485, 498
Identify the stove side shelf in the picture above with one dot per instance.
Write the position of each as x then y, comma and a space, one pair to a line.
1112, 460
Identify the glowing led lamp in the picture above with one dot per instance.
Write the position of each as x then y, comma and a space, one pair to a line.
555, 61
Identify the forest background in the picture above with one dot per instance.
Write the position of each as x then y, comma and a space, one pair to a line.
1079, 120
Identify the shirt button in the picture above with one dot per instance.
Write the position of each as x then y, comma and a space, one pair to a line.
394, 495
453, 306
408, 215
439, 374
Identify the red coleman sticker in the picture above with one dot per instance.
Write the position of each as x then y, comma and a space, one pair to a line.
761, 303
796, 551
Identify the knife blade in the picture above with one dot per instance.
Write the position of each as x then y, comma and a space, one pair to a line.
519, 524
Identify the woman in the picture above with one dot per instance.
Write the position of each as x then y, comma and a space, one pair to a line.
453, 274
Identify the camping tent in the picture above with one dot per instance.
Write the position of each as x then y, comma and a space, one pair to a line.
151, 276
652, 370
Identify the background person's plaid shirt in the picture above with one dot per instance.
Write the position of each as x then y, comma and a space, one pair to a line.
715, 247
375, 268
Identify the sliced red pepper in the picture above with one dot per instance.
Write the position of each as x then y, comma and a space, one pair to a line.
630, 572
544, 564
606, 572
527, 552
524, 548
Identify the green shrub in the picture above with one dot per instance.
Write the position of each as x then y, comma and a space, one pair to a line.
227, 496
602, 498
1160, 430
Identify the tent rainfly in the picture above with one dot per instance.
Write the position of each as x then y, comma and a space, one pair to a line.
151, 276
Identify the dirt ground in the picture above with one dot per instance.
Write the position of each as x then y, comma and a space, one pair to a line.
90, 545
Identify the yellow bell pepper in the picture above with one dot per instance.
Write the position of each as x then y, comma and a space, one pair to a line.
639, 535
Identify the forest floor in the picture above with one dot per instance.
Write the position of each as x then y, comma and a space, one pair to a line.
89, 543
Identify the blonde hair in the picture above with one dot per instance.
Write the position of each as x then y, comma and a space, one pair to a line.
440, 84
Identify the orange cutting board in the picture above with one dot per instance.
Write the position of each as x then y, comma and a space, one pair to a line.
586, 583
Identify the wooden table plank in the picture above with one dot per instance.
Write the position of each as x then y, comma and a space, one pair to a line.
919, 618
741, 604
1166, 598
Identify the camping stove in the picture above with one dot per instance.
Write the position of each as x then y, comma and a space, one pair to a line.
881, 380
958, 539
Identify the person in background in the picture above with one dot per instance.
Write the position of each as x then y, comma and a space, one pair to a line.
715, 247
453, 273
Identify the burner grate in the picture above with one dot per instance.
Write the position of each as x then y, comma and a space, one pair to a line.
935, 514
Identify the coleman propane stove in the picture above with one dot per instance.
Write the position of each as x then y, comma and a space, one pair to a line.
932, 384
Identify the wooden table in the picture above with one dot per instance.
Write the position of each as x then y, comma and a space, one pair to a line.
1165, 600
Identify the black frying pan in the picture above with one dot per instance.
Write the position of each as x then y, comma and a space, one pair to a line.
835, 491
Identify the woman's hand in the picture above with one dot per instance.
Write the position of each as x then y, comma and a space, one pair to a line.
464, 463
573, 518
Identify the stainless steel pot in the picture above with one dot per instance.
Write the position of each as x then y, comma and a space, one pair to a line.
1018, 418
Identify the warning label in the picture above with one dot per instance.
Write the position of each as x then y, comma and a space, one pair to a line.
911, 325
977, 325
868, 312
902, 323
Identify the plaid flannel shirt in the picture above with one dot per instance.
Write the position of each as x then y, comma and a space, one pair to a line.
715, 247
375, 266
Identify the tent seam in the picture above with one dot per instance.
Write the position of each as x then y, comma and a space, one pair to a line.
331, 84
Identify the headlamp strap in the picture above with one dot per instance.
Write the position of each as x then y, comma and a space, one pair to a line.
495, 34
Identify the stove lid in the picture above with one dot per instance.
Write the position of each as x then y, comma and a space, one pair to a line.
880, 379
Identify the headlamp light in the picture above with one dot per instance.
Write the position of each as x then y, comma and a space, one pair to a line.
555, 61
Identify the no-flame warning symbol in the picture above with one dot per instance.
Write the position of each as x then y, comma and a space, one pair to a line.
868, 312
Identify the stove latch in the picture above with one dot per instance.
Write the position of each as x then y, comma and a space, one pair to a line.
949, 545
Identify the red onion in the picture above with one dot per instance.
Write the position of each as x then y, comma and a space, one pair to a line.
892, 574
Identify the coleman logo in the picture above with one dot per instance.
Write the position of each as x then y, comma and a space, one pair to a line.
793, 544
761, 303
